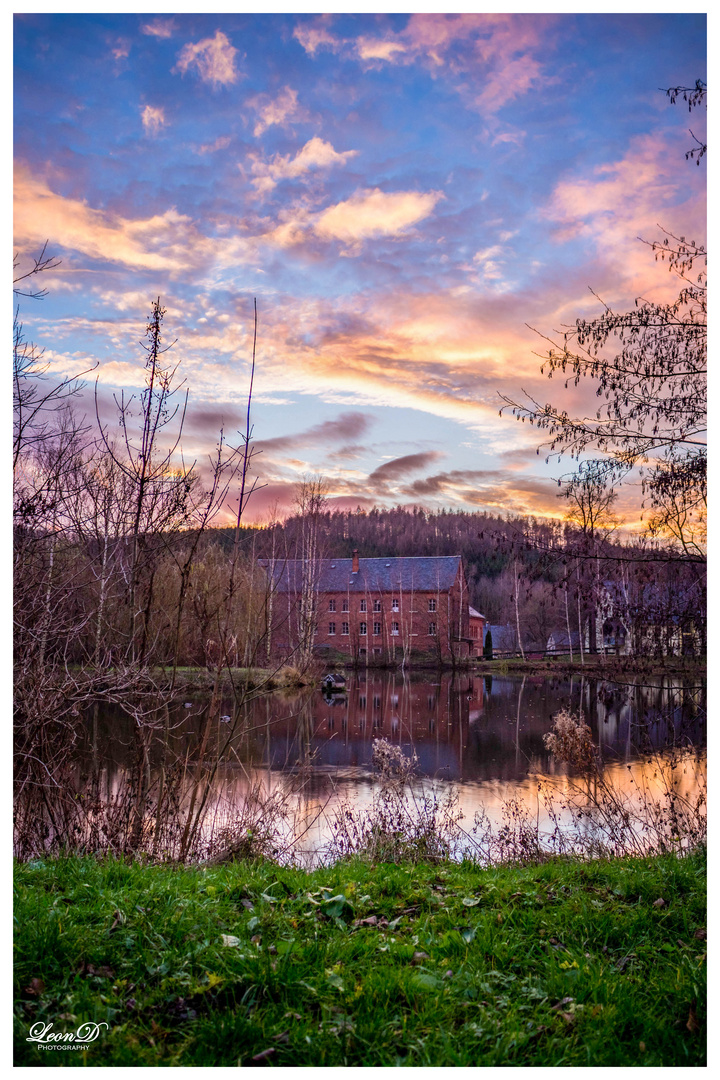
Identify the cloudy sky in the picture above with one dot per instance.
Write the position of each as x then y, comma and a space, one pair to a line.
405, 196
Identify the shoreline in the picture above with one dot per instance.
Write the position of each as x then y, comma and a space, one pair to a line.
596, 666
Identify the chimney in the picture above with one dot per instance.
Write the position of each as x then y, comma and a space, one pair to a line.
356, 562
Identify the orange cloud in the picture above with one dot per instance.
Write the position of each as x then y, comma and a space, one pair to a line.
214, 59
164, 242
373, 213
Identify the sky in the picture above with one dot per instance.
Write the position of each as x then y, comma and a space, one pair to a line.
412, 200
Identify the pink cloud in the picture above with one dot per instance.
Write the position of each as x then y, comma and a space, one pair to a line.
282, 110
621, 200
214, 59
315, 154
160, 28
152, 119
221, 143
495, 58
316, 37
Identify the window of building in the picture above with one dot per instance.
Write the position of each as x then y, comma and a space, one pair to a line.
363, 628
331, 628
363, 701
377, 628
395, 629
377, 652
363, 605
376, 605
346, 605
396, 605
432, 605
432, 629
431, 701
363, 652
376, 701
346, 628
331, 605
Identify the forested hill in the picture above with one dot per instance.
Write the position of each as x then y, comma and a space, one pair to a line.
492, 547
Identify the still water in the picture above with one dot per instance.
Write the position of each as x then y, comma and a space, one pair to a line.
480, 735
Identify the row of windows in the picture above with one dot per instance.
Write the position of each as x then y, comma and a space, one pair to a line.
377, 606
377, 629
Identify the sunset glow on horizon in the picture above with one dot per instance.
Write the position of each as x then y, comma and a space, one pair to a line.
406, 196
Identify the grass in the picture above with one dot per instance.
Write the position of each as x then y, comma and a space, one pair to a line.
566, 963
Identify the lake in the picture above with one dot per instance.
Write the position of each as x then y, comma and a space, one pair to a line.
481, 736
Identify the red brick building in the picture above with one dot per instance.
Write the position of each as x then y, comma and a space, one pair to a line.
374, 610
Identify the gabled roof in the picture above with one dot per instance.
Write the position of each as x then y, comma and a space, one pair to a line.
427, 573
473, 613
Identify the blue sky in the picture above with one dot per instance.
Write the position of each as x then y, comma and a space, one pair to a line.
402, 193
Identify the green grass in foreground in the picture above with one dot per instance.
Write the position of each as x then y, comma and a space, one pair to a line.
565, 963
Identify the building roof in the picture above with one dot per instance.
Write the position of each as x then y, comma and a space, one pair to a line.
427, 573
474, 614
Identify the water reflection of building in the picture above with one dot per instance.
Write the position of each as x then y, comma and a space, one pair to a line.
430, 716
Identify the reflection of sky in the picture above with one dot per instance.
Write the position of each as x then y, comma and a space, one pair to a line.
402, 194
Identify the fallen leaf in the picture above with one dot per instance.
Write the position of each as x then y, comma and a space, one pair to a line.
102, 972
119, 920
264, 1055
561, 1004
283, 1038
230, 941
471, 901
35, 988
418, 957
248, 905
700, 935
692, 1021
659, 903
256, 939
